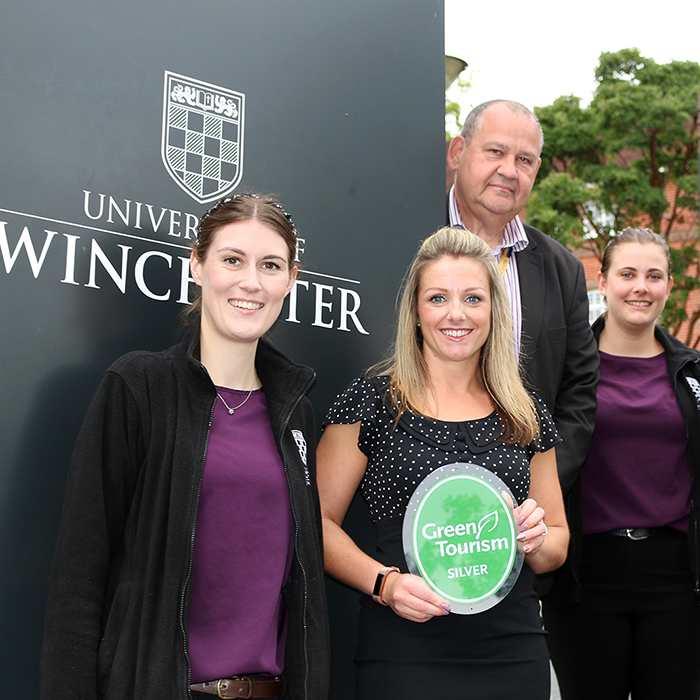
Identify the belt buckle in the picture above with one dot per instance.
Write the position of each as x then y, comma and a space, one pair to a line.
630, 530
240, 679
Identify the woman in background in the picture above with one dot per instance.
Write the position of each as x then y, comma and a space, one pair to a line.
449, 393
637, 627
189, 561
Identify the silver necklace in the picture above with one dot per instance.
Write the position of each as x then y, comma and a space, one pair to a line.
231, 411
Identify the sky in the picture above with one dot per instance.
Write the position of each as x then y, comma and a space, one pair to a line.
533, 52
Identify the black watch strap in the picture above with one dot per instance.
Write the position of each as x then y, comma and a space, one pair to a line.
376, 593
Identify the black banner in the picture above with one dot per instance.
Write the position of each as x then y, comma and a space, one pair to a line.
121, 122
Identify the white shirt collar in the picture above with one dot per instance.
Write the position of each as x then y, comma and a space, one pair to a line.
514, 234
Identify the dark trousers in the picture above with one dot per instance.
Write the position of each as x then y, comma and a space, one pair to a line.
637, 627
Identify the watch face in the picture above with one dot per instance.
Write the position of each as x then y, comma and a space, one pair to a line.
459, 535
378, 582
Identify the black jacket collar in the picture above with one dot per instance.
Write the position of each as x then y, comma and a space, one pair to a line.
677, 353
284, 381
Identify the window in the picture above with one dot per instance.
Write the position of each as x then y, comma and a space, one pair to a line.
596, 305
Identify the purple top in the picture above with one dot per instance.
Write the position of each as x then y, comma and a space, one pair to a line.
243, 546
636, 473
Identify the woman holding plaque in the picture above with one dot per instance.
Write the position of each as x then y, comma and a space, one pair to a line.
636, 629
449, 393
190, 543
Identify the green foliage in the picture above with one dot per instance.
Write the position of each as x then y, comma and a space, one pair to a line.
453, 106
628, 159
556, 207
682, 259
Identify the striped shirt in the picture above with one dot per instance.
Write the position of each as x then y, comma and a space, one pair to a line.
514, 235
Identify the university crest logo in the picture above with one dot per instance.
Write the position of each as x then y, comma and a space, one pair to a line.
202, 139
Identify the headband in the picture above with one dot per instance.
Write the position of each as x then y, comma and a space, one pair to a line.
265, 200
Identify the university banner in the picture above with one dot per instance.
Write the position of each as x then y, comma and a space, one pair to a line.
123, 122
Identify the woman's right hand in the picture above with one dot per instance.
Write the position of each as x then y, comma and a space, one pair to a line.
410, 597
340, 468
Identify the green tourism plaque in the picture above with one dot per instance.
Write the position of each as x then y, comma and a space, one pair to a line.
459, 535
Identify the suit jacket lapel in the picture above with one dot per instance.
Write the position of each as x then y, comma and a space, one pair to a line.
532, 296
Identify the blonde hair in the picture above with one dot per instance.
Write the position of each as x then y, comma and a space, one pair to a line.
407, 367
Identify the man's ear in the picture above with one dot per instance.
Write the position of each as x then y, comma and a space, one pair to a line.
454, 152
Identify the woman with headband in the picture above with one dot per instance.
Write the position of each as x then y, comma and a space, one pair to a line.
190, 544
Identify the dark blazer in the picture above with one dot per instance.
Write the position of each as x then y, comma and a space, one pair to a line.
558, 352
559, 356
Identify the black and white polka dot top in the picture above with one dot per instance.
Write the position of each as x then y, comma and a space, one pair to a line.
400, 457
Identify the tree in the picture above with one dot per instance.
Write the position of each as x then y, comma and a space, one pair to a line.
453, 106
628, 159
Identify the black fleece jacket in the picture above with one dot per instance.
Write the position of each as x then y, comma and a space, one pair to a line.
116, 623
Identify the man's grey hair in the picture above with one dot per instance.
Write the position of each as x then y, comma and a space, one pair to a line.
472, 123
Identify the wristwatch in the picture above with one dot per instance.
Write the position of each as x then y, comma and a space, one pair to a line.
379, 583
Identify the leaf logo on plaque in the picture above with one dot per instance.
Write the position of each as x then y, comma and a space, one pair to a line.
202, 136
459, 535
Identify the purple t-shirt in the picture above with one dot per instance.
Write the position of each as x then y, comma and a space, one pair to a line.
636, 473
243, 547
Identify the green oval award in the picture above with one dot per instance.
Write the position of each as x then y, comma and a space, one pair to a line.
459, 535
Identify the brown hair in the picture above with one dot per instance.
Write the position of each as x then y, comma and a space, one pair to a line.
633, 235
240, 207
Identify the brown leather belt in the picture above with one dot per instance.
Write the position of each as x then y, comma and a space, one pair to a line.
242, 687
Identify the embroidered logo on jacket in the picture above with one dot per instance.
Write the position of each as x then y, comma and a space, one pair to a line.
301, 446
695, 388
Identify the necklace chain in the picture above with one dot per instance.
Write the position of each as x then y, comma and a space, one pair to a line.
231, 411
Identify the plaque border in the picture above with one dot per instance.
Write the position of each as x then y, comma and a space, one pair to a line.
412, 510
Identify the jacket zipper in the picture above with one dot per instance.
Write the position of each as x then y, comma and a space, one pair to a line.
284, 425
696, 505
678, 377
183, 628
283, 429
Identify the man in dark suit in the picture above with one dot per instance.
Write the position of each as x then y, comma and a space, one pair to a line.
495, 160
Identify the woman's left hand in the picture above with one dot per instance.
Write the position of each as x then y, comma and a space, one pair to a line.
529, 519
544, 545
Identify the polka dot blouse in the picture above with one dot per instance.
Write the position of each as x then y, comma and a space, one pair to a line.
400, 457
